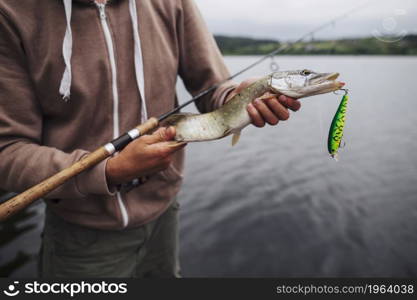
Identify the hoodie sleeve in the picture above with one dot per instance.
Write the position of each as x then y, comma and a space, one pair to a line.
201, 64
24, 162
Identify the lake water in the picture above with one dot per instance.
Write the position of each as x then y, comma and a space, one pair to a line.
277, 205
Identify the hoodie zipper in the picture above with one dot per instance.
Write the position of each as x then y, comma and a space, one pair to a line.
116, 129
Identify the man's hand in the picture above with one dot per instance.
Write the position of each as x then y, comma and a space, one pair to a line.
269, 108
147, 155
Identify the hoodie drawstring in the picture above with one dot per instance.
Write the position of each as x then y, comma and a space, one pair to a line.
65, 86
140, 78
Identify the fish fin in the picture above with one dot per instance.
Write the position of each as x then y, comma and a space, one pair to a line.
235, 138
268, 95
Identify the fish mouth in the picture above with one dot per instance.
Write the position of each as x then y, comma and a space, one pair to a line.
328, 78
323, 77
332, 76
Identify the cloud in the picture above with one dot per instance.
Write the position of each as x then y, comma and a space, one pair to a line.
289, 19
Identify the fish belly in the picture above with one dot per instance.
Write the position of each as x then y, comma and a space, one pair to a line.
200, 128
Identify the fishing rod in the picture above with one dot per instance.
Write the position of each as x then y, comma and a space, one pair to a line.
24, 199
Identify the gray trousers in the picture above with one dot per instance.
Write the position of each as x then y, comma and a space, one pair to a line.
70, 250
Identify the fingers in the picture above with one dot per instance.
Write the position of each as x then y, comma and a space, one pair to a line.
161, 141
290, 103
270, 117
255, 116
165, 149
161, 135
270, 109
277, 109
170, 133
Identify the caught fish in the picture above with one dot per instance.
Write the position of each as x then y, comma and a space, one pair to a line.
232, 117
335, 138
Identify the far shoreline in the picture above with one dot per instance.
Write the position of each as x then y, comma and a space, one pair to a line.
406, 46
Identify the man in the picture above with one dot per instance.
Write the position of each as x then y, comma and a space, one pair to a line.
75, 74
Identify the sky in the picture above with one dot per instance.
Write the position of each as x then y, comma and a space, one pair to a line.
289, 19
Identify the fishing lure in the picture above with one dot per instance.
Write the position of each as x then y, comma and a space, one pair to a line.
335, 138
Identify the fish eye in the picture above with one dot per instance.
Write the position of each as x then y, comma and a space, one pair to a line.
305, 72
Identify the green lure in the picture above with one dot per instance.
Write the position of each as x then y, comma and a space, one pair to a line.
336, 128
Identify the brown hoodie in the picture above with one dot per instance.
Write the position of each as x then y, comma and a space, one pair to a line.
40, 133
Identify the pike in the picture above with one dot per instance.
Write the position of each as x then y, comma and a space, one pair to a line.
232, 117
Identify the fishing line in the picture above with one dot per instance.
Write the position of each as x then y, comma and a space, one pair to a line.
280, 49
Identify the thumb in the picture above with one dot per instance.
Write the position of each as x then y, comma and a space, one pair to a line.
161, 135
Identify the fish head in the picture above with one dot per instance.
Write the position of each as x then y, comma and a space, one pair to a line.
304, 83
